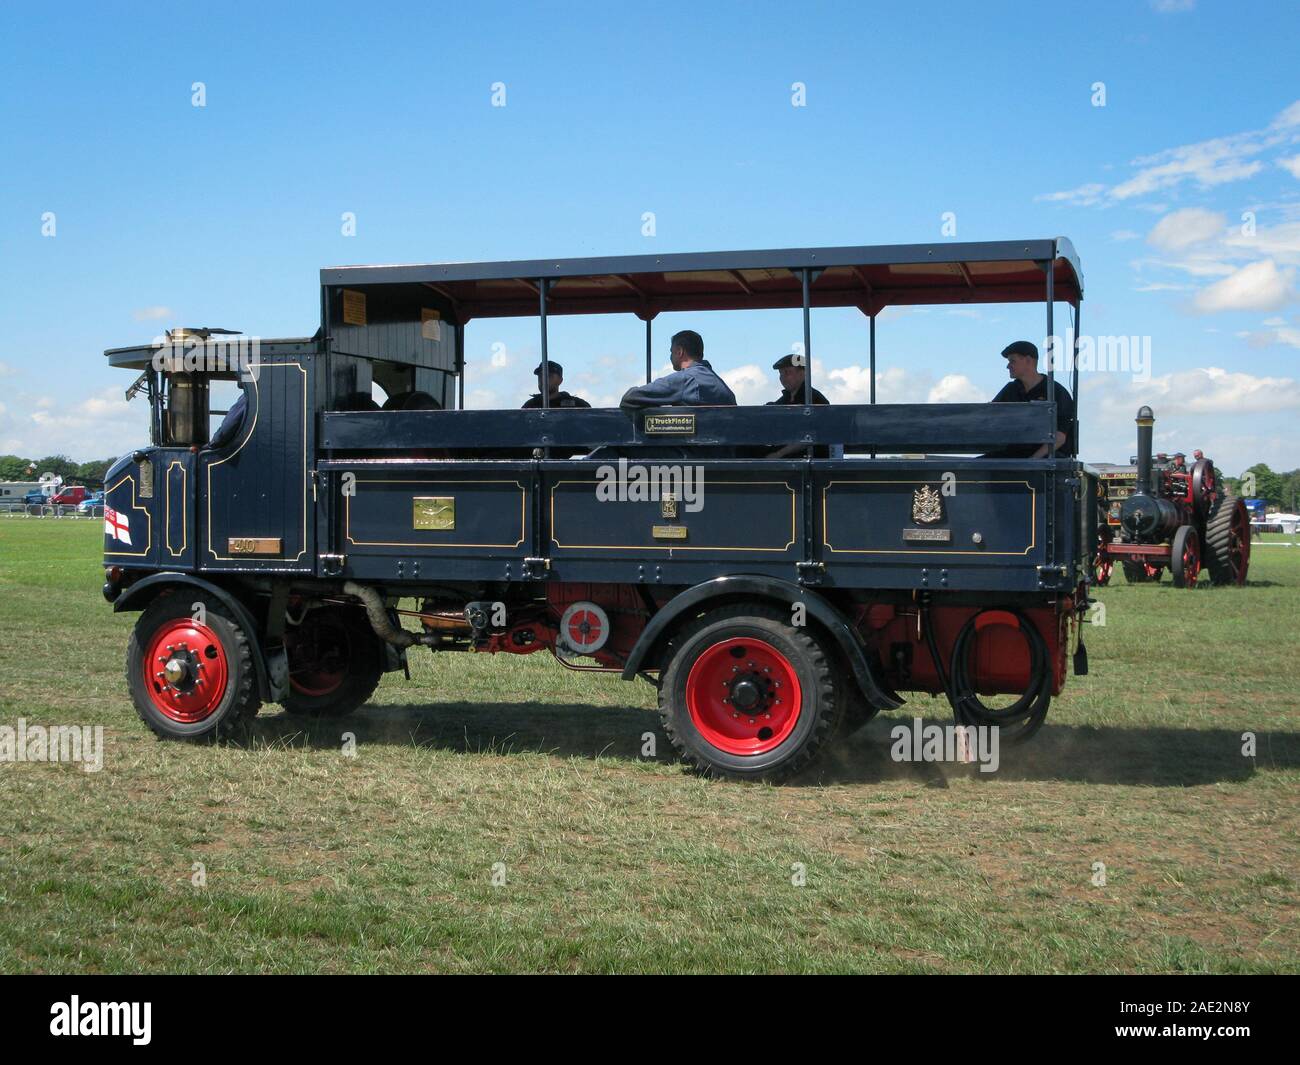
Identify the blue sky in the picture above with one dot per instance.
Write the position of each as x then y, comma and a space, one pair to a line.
170, 214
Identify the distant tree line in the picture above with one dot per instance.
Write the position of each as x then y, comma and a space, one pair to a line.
91, 474
1278, 490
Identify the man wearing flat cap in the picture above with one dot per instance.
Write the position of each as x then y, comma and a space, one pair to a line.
793, 372
554, 378
1027, 385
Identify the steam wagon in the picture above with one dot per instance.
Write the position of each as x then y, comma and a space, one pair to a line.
1160, 513
318, 538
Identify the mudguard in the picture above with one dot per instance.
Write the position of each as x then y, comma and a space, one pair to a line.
760, 587
143, 592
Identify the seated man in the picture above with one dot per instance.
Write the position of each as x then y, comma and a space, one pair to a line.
793, 373
1026, 386
554, 378
231, 423
691, 384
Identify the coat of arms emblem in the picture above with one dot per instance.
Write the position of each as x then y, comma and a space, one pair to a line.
927, 508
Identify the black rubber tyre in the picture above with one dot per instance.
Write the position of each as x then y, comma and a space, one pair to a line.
1185, 560
1227, 550
204, 634
335, 662
768, 635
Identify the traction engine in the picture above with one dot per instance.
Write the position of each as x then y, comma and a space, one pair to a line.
1172, 516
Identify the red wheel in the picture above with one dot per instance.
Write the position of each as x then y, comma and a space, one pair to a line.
185, 670
335, 662
743, 696
1185, 557
190, 669
1103, 565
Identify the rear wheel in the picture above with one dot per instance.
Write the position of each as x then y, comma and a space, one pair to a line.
1185, 560
189, 667
746, 696
1142, 572
1227, 540
335, 662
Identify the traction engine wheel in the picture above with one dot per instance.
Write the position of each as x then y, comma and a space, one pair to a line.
1227, 540
1204, 485
335, 662
747, 696
189, 668
1185, 560
1142, 572
1102, 564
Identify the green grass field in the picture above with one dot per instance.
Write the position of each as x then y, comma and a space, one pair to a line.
316, 862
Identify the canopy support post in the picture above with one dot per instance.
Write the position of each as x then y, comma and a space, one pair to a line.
647, 351
1074, 379
543, 376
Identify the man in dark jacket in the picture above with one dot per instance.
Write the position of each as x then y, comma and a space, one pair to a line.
691, 384
794, 374
554, 378
1027, 385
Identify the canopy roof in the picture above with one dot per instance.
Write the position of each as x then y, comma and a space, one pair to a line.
869, 278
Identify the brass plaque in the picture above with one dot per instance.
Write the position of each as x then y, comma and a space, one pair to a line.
434, 512
354, 307
668, 532
942, 536
680, 424
668, 505
254, 545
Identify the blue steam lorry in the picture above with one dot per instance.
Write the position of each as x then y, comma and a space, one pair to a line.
779, 573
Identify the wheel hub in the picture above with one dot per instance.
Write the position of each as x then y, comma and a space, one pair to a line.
743, 696
185, 670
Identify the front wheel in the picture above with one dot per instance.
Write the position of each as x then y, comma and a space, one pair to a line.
747, 696
189, 667
1185, 557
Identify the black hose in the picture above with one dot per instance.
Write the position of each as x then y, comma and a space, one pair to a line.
1022, 718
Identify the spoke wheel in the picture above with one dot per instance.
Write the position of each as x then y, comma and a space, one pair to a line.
1185, 563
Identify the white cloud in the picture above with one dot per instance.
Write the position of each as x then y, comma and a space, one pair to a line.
1210, 390
1083, 196
94, 426
1291, 165
6, 370
754, 385
955, 388
149, 314
1208, 163
1125, 234
1258, 286
1179, 230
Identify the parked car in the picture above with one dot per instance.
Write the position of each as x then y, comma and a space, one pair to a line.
96, 500
34, 498
70, 496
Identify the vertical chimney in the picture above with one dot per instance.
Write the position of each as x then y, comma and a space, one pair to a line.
1145, 420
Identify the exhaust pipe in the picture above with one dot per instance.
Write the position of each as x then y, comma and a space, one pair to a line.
382, 623
1145, 420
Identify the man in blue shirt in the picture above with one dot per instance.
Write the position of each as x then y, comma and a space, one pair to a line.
691, 384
